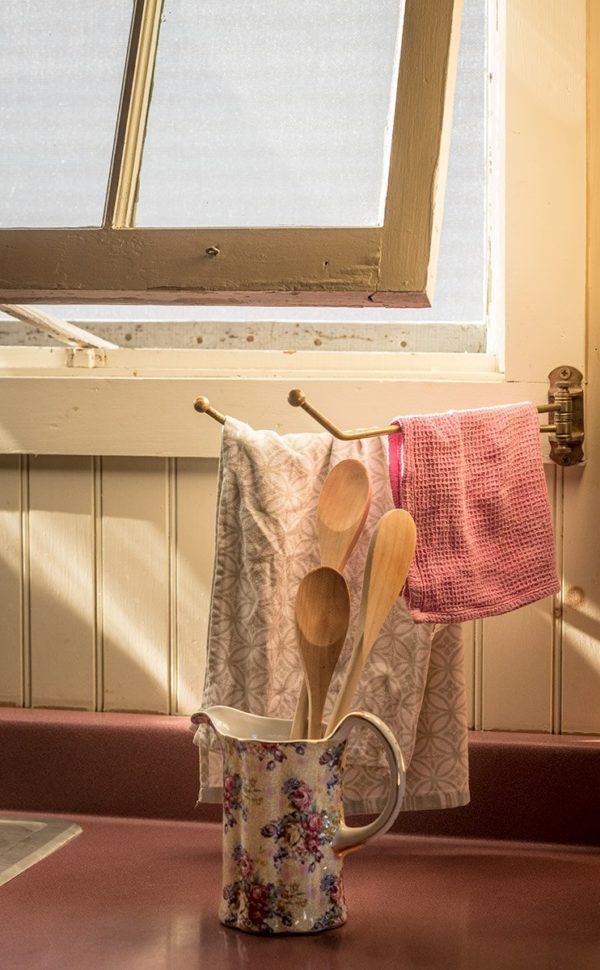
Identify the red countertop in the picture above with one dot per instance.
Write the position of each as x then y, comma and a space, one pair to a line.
142, 895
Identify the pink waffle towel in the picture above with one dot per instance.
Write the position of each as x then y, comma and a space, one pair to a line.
474, 483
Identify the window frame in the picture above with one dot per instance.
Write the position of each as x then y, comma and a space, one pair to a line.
391, 265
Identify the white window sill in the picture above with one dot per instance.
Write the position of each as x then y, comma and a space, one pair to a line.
144, 362
140, 402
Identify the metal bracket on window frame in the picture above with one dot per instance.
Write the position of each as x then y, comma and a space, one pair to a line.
565, 407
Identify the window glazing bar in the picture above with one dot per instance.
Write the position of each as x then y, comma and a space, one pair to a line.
133, 113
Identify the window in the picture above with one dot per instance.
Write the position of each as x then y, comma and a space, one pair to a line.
353, 208
457, 320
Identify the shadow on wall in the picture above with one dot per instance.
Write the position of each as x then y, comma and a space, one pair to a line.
107, 573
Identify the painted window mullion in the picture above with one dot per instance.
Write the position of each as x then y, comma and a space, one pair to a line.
133, 113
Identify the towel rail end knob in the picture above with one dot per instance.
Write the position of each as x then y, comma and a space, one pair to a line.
296, 398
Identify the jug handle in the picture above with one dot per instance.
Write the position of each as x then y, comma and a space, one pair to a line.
350, 837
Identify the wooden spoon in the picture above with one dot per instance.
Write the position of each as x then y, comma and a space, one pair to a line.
342, 511
390, 554
322, 617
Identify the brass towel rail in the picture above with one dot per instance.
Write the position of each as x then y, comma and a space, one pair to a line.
297, 399
565, 404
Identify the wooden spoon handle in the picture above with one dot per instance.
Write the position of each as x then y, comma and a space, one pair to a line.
349, 685
389, 559
299, 727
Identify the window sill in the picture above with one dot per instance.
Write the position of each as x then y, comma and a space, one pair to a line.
140, 402
146, 362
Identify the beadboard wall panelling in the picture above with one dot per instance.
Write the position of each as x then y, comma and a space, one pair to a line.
135, 585
469, 635
580, 700
517, 670
106, 572
62, 581
196, 497
518, 657
11, 574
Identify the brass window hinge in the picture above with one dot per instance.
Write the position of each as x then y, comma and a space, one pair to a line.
565, 407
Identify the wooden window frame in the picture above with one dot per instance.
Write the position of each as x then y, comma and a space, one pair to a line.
390, 265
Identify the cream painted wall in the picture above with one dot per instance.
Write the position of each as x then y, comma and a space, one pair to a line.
580, 661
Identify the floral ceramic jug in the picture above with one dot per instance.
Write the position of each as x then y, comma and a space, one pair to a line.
284, 834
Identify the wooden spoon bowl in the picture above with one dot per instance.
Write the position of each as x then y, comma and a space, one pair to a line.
322, 617
342, 511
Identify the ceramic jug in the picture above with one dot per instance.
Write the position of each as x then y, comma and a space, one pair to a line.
284, 832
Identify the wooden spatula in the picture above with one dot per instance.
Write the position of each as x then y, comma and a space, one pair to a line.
389, 558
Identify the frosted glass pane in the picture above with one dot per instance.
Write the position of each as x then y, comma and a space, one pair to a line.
271, 113
61, 70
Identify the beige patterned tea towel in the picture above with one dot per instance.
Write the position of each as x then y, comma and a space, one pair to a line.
266, 541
